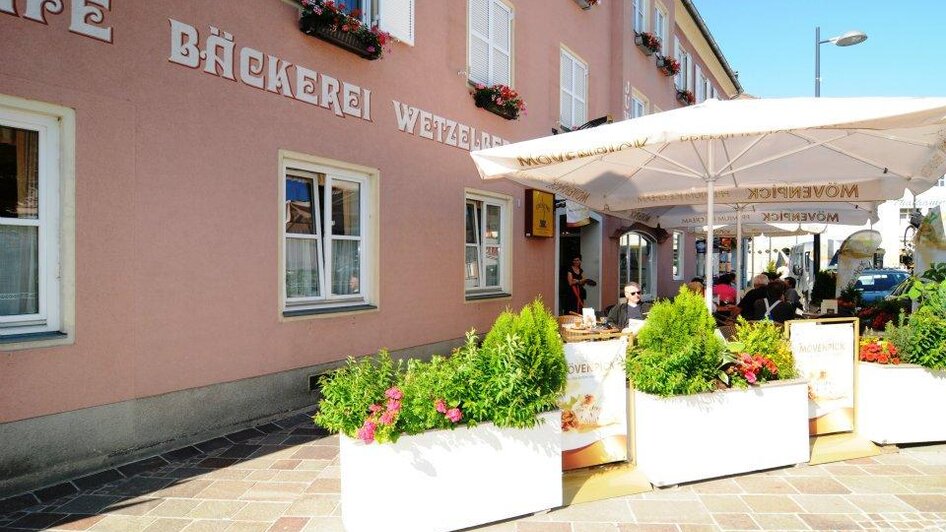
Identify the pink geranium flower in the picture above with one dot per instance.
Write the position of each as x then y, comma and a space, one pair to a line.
366, 432
454, 415
393, 405
440, 406
375, 408
387, 418
394, 393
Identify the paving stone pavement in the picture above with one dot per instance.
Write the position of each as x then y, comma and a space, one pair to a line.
284, 476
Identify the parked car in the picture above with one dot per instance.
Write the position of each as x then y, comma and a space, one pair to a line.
876, 284
901, 289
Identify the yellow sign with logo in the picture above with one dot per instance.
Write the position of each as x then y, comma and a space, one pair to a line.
540, 213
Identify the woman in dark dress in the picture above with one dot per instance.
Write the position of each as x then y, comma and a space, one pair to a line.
573, 291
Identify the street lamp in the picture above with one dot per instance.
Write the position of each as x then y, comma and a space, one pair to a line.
848, 39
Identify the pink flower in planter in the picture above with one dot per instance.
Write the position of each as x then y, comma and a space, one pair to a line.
366, 432
750, 376
440, 406
393, 405
394, 393
375, 408
387, 418
454, 415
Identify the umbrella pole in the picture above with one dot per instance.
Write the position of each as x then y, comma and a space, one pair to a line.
739, 251
710, 220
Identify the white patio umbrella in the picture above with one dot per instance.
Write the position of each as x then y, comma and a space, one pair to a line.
769, 218
744, 151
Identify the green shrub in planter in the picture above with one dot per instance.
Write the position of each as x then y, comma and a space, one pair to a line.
516, 374
677, 351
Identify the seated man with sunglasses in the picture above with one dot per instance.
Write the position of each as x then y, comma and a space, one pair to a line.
632, 309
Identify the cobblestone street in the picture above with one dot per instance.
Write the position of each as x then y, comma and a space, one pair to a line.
285, 476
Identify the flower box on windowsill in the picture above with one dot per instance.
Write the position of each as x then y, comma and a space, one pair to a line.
343, 39
586, 4
668, 65
484, 102
685, 97
450, 479
639, 41
894, 403
737, 431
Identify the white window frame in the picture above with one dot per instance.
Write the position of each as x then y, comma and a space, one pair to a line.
579, 68
660, 27
393, 16
504, 288
54, 322
683, 80
701, 84
307, 167
639, 14
678, 245
495, 8
639, 104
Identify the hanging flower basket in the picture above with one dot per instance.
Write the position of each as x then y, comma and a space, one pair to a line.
686, 97
647, 43
668, 65
586, 4
500, 100
326, 20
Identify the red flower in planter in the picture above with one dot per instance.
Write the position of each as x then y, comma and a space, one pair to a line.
669, 65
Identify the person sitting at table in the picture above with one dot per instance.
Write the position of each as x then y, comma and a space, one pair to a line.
747, 304
632, 309
791, 294
773, 306
724, 290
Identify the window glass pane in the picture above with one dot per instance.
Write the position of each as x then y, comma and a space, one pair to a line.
472, 227
346, 275
491, 262
676, 255
19, 173
472, 269
19, 270
346, 208
493, 219
302, 267
299, 205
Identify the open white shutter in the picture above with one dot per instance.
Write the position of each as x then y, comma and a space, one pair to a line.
397, 18
581, 96
565, 85
501, 48
479, 41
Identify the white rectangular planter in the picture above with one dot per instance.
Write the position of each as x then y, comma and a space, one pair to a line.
450, 479
687, 438
894, 402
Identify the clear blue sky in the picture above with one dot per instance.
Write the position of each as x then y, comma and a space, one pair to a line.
770, 43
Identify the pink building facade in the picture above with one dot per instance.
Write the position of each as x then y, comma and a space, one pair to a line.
201, 208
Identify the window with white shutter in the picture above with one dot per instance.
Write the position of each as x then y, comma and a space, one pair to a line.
397, 18
490, 43
640, 16
700, 84
660, 28
574, 90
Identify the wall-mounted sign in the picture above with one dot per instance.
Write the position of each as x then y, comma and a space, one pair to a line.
540, 213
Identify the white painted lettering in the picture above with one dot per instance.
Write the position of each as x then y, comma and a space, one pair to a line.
218, 52
184, 44
7, 6
277, 80
251, 67
86, 17
36, 9
426, 127
350, 95
406, 116
330, 95
306, 85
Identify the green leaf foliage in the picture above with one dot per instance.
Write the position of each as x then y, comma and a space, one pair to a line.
518, 373
767, 339
927, 340
677, 351
348, 392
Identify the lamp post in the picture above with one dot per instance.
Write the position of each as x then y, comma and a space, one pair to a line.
848, 39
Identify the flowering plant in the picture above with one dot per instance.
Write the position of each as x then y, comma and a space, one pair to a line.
517, 373
648, 40
749, 369
669, 65
877, 316
873, 349
686, 97
334, 16
501, 96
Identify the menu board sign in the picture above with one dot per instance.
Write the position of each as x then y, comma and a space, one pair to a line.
594, 406
825, 354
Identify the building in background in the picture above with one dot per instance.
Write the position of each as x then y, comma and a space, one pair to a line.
202, 208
